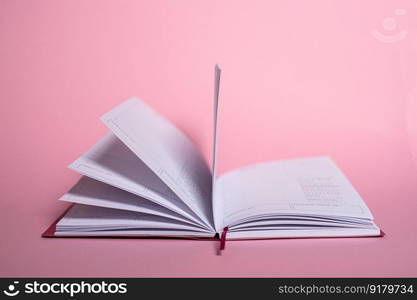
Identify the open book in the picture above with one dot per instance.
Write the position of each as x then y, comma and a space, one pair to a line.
146, 178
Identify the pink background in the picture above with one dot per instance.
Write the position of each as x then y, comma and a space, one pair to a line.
300, 78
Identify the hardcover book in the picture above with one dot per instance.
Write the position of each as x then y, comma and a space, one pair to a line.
145, 178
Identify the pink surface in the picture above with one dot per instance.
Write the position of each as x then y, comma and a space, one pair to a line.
300, 78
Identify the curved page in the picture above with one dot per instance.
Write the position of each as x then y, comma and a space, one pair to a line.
92, 192
111, 162
298, 186
92, 218
166, 151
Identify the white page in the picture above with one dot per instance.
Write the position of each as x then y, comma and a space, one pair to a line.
303, 186
166, 151
299, 221
92, 192
136, 232
302, 223
86, 217
304, 233
111, 162
217, 75
304, 216
301, 217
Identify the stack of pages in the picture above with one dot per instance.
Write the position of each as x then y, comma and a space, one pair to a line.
146, 178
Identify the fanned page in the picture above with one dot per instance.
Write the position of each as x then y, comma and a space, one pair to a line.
291, 198
85, 220
111, 162
166, 151
92, 192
